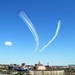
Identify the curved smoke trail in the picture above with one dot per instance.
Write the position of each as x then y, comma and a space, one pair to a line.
24, 17
56, 33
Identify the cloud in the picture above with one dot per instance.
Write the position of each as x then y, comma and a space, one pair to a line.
8, 43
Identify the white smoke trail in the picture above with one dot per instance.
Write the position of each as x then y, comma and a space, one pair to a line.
24, 17
56, 33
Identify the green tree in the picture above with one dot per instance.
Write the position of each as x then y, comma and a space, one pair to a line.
19, 73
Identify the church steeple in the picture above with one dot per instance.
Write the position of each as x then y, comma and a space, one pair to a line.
39, 62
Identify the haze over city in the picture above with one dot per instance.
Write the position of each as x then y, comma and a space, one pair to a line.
17, 43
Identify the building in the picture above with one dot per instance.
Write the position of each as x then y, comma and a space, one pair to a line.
58, 72
40, 66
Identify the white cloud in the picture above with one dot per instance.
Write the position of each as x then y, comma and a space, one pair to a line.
8, 43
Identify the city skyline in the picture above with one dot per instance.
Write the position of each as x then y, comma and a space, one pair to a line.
17, 44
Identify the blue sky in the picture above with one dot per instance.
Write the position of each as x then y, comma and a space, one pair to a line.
44, 14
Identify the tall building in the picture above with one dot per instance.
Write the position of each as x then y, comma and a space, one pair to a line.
40, 66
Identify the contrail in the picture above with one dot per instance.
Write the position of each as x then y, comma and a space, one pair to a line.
56, 33
27, 21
